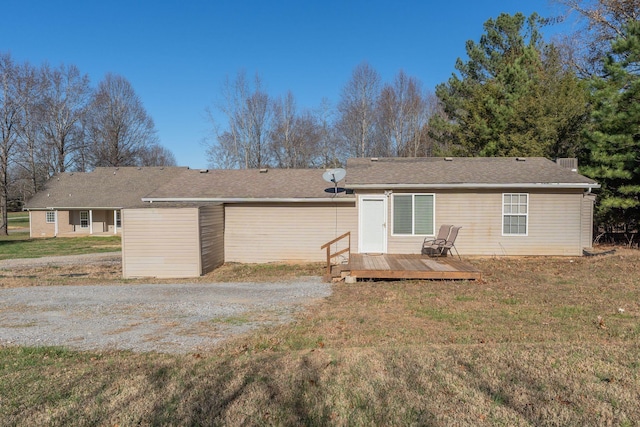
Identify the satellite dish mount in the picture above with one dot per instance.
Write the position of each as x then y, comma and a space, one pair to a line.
334, 176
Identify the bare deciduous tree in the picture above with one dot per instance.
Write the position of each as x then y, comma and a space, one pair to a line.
10, 121
402, 116
294, 137
120, 128
31, 157
356, 125
331, 152
602, 21
247, 109
66, 96
156, 155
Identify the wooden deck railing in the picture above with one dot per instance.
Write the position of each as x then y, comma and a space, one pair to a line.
327, 246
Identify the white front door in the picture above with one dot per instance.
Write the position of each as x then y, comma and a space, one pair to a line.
373, 224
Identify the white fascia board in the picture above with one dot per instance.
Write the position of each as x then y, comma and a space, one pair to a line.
248, 200
471, 186
72, 208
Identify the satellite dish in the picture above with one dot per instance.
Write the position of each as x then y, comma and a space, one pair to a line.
334, 175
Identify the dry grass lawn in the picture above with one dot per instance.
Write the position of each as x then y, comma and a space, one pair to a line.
541, 341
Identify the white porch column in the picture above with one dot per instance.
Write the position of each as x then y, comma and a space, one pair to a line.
55, 231
115, 221
90, 222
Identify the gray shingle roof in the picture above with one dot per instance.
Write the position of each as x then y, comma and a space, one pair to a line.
229, 184
460, 171
121, 187
125, 187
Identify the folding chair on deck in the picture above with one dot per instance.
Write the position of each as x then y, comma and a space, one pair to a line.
443, 248
440, 239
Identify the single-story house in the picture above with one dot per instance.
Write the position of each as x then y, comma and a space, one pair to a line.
506, 206
90, 203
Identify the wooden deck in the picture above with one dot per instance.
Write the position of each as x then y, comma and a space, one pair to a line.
409, 266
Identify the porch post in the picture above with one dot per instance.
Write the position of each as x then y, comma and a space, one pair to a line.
90, 221
55, 231
115, 221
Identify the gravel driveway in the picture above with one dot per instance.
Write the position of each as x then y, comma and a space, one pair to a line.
178, 318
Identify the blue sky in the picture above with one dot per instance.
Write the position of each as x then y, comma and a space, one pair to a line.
177, 54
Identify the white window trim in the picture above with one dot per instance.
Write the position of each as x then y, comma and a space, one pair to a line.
53, 214
88, 220
413, 222
526, 215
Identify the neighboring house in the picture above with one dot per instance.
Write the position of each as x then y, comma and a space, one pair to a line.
197, 220
90, 203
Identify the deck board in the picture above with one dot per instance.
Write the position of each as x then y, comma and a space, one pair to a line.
409, 266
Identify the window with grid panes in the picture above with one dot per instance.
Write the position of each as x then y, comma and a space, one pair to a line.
515, 214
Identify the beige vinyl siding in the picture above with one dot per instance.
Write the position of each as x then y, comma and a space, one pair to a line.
161, 242
211, 237
286, 231
554, 224
587, 220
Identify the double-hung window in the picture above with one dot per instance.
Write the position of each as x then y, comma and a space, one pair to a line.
515, 214
51, 217
413, 214
84, 219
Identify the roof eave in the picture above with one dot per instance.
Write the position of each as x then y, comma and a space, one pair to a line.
69, 208
473, 186
249, 199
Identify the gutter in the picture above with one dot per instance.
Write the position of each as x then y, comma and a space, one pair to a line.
472, 186
70, 208
250, 200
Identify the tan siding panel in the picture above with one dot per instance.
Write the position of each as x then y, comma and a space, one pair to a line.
587, 220
285, 232
160, 242
554, 224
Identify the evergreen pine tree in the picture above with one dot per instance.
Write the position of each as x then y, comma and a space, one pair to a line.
614, 139
512, 97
